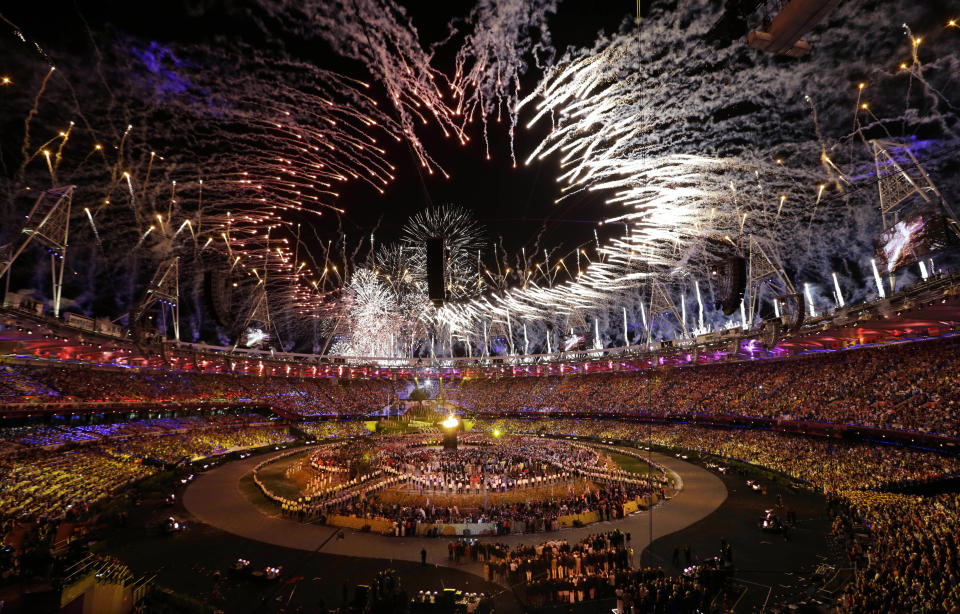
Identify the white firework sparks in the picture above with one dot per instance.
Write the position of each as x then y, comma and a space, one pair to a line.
373, 321
494, 56
462, 240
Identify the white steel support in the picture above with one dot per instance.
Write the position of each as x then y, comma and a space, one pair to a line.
661, 304
49, 224
764, 270
164, 289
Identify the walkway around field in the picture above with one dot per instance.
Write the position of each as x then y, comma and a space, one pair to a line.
215, 498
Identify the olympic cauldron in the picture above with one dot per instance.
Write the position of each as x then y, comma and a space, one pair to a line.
451, 428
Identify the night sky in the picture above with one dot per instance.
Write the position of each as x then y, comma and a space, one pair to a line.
515, 204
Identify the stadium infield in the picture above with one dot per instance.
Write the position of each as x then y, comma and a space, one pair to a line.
217, 499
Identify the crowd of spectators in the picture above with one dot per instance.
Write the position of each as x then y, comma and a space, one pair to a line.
301, 396
823, 463
907, 386
331, 430
911, 559
904, 548
44, 483
40, 435
195, 445
19, 384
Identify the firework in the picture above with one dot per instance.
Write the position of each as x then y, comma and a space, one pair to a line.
380, 35
495, 55
373, 322
462, 243
225, 155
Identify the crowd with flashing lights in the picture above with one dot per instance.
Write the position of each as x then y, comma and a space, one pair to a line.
331, 430
823, 463
299, 396
195, 445
62, 481
68, 432
43, 485
910, 560
908, 386
904, 547
43, 482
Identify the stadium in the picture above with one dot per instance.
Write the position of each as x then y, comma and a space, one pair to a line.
514, 306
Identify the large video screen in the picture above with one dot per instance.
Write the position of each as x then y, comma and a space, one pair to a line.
573, 342
254, 337
910, 239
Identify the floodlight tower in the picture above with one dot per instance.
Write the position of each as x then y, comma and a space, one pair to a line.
576, 321
259, 310
899, 182
661, 306
260, 305
896, 186
49, 224
764, 270
164, 289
